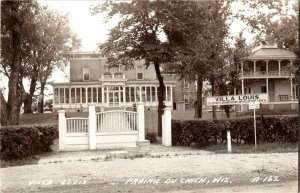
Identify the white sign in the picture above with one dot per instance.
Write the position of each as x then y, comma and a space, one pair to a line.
254, 105
237, 99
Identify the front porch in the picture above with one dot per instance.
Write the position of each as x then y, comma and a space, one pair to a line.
77, 96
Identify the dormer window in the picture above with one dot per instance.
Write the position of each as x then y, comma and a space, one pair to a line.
86, 74
139, 73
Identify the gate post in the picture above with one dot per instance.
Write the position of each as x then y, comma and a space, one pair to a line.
62, 130
141, 121
141, 125
167, 128
92, 127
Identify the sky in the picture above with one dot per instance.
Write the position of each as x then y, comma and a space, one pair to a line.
90, 29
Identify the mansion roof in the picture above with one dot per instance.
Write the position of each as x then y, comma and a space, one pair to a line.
265, 52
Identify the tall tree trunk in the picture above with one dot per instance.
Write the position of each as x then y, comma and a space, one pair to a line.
28, 100
198, 105
213, 91
3, 115
161, 93
41, 98
13, 102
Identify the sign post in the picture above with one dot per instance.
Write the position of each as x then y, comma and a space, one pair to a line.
254, 105
253, 100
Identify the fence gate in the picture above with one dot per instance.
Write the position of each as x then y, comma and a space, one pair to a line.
116, 121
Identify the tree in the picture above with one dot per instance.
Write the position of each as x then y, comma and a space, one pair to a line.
200, 55
137, 36
53, 38
16, 22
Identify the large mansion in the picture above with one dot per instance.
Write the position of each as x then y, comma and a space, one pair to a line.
267, 70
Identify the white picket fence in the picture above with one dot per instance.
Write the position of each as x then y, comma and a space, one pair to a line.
108, 129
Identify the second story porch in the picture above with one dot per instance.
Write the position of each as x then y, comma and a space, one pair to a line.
269, 62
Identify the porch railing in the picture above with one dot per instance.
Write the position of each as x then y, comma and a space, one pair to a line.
266, 74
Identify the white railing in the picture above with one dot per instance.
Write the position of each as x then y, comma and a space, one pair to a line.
266, 74
77, 125
116, 121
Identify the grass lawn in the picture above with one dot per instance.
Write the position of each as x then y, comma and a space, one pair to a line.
39, 118
250, 148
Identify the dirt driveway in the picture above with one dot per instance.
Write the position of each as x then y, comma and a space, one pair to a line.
167, 173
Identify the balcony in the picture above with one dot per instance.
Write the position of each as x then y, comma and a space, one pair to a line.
117, 76
266, 74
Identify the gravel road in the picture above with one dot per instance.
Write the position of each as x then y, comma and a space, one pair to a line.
186, 171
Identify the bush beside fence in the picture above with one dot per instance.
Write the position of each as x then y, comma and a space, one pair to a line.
205, 132
24, 141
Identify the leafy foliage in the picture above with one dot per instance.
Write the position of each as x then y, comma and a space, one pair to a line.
138, 35
24, 141
203, 132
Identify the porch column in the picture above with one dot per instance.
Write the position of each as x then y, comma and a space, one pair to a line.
107, 96
124, 95
242, 68
243, 87
140, 94
102, 95
62, 130
291, 94
243, 92
171, 96
254, 67
279, 63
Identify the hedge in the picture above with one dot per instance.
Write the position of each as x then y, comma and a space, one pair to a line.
204, 132
24, 141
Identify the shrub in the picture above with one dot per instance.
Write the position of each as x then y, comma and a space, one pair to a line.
151, 136
205, 132
24, 141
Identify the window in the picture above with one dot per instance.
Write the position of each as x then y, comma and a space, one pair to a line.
86, 73
295, 91
61, 95
148, 96
132, 95
56, 96
89, 91
247, 90
186, 98
263, 89
185, 84
143, 94
83, 95
139, 73
67, 95
153, 93
263, 68
137, 94
78, 95
94, 94
73, 95
127, 94
99, 95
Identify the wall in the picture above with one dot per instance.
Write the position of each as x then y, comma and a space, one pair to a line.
77, 64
